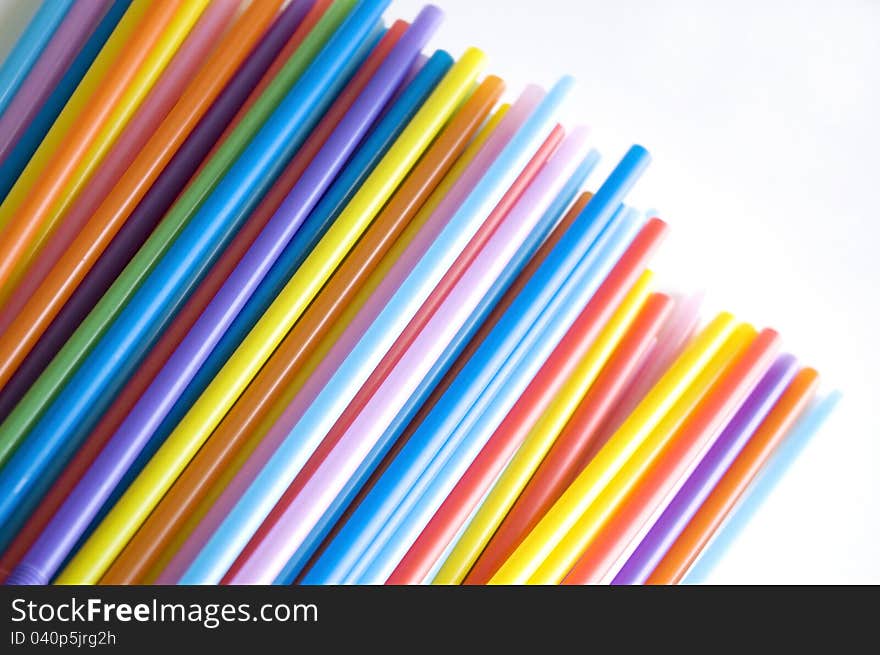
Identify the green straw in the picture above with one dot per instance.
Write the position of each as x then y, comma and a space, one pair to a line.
46, 388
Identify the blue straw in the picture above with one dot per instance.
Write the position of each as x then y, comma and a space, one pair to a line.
27, 144
126, 341
232, 535
112, 463
27, 49
346, 185
367, 521
768, 479
436, 482
542, 230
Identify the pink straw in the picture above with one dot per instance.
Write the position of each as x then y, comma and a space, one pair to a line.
508, 126
162, 97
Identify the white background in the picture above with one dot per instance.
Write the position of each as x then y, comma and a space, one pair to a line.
762, 120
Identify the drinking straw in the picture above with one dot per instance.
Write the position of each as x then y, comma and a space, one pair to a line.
564, 552
145, 217
139, 65
139, 157
116, 121
369, 518
671, 341
530, 428
27, 49
391, 440
312, 379
768, 453
128, 337
414, 287
649, 478
68, 39
162, 97
125, 446
530, 255
96, 441
230, 435
203, 520
72, 352
313, 18
541, 249
330, 206
663, 397
705, 476
471, 435
172, 337
561, 464
414, 566
15, 161
16, 191
97, 553
480, 253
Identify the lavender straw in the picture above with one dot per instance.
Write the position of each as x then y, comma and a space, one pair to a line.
708, 472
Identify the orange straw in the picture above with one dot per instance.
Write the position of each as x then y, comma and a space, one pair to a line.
561, 464
673, 462
724, 497
25, 224
512, 291
231, 435
73, 265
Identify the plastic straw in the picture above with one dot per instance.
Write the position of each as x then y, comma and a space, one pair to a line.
29, 171
125, 341
309, 383
532, 425
475, 430
140, 64
66, 42
175, 453
151, 139
671, 341
561, 464
567, 547
484, 470
144, 219
769, 452
229, 436
258, 450
395, 436
27, 49
232, 255
706, 475
642, 487
368, 519
77, 348
456, 292
87, 498
648, 415
316, 225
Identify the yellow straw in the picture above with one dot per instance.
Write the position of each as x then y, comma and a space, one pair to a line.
538, 545
73, 109
196, 426
566, 554
324, 346
540, 438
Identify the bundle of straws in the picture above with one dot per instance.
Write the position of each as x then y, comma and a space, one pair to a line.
284, 299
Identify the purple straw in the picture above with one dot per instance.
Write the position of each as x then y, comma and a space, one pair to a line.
706, 475
441, 215
67, 41
110, 466
161, 98
153, 206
